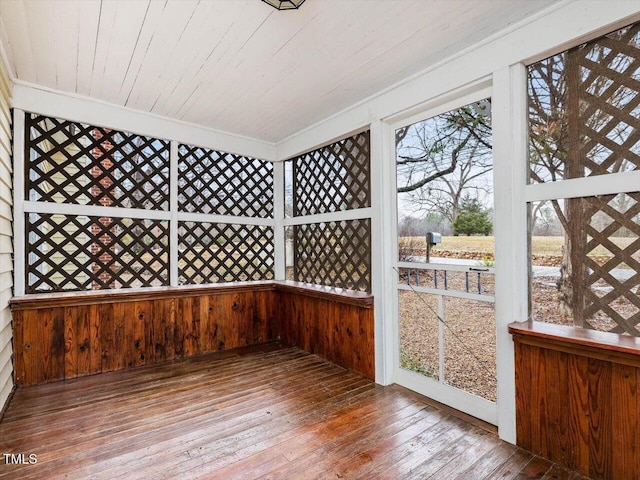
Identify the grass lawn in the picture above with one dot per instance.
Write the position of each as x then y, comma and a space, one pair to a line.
551, 246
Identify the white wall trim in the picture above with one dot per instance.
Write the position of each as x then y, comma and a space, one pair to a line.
226, 219
355, 214
378, 277
19, 242
94, 211
510, 150
321, 142
77, 108
278, 216
611, 183
472, 92
391, 329
174, 279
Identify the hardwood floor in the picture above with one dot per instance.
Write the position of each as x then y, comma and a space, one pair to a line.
271, 412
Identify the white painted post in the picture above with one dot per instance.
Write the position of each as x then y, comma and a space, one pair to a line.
377, 280
278, 217
509, 113
383, 250
19, 259
173, 209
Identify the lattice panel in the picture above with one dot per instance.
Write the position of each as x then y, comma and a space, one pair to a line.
612, 261
84, 253
224, 184
337, 254
333, 178
609, 99
70, 162
213, 253
584, 109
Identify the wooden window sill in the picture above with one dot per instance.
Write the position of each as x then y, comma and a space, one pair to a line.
623, 349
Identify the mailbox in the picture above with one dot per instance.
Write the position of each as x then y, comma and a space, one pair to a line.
433, 238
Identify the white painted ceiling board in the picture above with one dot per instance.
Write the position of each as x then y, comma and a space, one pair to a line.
86, 29
39, 21
65, 31
125, 33
17, 44
157, 59
241, 66
217, 81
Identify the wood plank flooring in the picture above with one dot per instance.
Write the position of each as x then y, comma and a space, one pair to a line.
268, 412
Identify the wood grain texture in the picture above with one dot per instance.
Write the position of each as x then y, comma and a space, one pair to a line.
590, 343
89, 333
577, 404
624, 398
89, 297
267, 411
341, 333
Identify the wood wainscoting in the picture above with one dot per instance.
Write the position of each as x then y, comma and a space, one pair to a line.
64, 336
577, 398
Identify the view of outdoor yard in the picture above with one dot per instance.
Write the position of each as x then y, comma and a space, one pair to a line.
584, 251
444, 179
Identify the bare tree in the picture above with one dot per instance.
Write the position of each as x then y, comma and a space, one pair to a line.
441, 158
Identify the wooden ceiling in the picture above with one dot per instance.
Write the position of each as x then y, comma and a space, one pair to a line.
241, 66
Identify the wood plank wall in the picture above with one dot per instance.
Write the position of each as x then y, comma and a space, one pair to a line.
577, 399
69, 336
341, 333
6, 235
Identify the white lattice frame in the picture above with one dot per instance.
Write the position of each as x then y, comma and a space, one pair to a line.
173, 215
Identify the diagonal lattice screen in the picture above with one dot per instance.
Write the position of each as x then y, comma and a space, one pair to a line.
612, 263
333, 178
584, 106
70, 162
334, 253
80, 252
224, 184
211, 253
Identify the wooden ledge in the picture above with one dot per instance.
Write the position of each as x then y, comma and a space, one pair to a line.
87, 297
353, 297
623, 349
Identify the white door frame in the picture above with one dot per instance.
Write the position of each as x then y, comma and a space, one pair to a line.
502, 412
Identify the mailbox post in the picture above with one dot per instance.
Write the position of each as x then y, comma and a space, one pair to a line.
433, 238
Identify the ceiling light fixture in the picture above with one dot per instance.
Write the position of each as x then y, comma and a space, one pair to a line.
284, 4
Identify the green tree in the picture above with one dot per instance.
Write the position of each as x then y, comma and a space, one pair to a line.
473, 219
